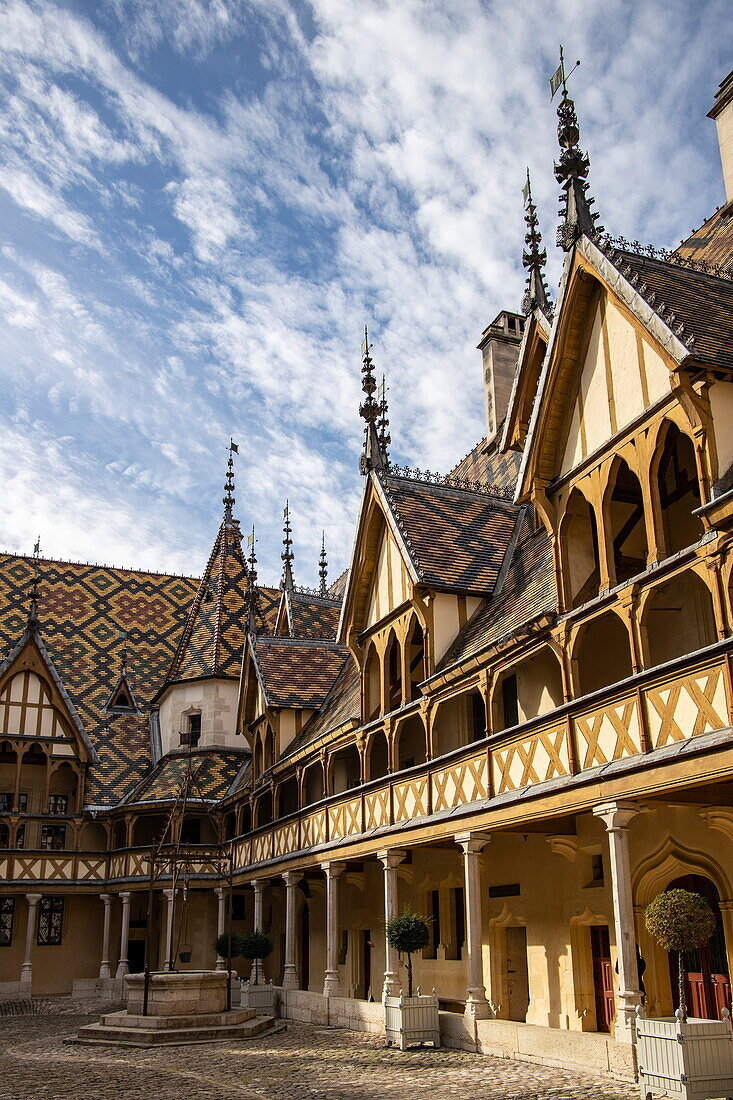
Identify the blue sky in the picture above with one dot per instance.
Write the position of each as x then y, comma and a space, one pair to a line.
201, 203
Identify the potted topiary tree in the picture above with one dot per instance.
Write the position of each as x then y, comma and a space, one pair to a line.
412, 1018
257, 946
691, 1058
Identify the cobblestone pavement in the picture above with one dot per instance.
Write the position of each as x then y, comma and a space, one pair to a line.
300, 1062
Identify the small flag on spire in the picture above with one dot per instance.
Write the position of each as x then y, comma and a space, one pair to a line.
251, 539
233, 446
37, 546
527, 190
557, 78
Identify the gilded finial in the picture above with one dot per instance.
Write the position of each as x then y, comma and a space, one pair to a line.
571, 171
323, 567
287, 583
534, 258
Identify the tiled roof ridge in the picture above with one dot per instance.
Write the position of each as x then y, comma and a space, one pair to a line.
308, 643
447, 481
399, 521
664, 255
315, 596
99, 565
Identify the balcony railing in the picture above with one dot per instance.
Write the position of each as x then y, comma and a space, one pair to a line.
672, 703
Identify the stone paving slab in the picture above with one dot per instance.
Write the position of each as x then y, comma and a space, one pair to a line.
300, 1062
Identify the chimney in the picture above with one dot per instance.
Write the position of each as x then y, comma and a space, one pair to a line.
722, 112
500, 349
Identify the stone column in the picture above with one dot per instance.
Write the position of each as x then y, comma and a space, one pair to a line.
221, 916
168, 942
290, 974
332, 985
472, 844
26, 972
104, 970
123, 966
259, 888
390, 858
616, 817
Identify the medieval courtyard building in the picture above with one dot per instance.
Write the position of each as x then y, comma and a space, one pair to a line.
512, 713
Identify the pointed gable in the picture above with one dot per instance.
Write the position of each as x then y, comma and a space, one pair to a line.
211, 645
34, 704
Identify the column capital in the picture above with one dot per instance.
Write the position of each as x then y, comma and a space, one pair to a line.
106, 898
220, 891
33, 899
292, 878
391, 857
472, 841
333, 868
616, 815
259, 885
125, 896
168, 895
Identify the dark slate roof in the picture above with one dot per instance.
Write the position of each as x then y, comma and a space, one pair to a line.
297, 673
312, 616
214, 771
527, 593
702, 302
456, 537
713, 241
342, 703
489, 466
81, 610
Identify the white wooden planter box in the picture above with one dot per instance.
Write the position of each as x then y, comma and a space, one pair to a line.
412, 1020
692, 1059
258, 997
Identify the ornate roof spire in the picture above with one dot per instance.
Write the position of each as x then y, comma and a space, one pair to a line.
228, 499
33, 609
383, 423
287, 583
534, 259
323, 567
252, 594
571, 170
374, 456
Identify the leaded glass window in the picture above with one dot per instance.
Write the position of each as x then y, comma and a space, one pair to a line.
7, 913
50, 921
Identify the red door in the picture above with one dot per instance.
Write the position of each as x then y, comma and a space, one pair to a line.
708, 980
602, 977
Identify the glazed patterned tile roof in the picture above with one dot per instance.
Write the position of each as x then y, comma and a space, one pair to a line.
213, 638
82, 609
213, 774
312, 616
703, 303
527, 593
338, 588
296, 673
489, 466
342, 703
457, 538
713, 241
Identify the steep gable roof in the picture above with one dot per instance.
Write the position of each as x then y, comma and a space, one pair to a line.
712, 243
294, 672
309, 616
341, 705
212, 640
214, 772
455, 537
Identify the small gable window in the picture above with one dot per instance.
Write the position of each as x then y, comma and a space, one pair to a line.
191, 732
122, 699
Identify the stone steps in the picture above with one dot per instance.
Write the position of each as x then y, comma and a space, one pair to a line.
148, 1037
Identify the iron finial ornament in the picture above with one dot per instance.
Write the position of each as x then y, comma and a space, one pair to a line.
323, 567
287, 583
228, 500
373, 412
571, 170
252, 594
33, 609
534, 258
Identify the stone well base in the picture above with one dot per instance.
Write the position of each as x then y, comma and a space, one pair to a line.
191, 993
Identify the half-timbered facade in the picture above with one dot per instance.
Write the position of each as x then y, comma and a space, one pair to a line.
512, 713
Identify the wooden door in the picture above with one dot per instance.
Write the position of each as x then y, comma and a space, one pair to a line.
708, 979
602, 977
517, 973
